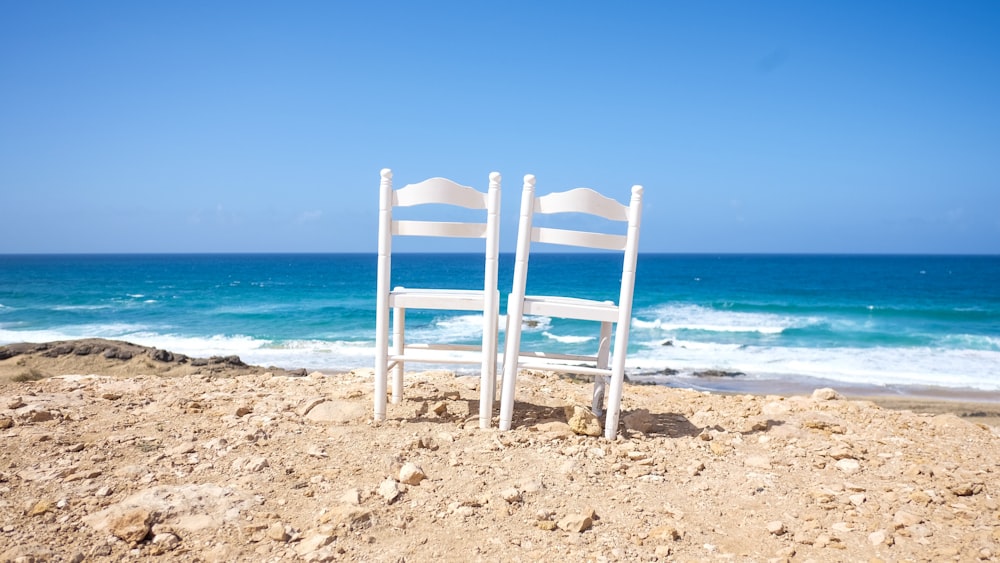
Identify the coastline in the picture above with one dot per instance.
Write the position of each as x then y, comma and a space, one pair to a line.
86, 356
158, 455
977, 405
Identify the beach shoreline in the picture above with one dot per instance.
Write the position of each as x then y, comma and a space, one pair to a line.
86, 356
140, 452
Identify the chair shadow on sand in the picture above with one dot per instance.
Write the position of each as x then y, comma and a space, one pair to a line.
657, 424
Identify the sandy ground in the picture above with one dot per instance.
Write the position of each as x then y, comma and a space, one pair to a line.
118, 452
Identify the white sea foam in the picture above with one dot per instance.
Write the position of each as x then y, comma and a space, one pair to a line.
674, 318
80, 307
914, 366
568, 339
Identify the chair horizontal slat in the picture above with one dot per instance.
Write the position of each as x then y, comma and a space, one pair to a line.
438, 229
439, 354
582, 309
445, 299
439, 190
585, 239
582, 200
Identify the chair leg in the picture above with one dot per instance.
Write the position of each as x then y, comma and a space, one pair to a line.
615, 392
488, 374
600, 381
398, 345
381, 361
510, 357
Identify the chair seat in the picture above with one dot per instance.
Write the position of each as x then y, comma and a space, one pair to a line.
448, 299
570, 307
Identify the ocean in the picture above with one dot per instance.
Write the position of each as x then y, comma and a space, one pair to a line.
741, 323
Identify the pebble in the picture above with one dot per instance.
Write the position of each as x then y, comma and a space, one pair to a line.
575, 523
389, 490
411, 474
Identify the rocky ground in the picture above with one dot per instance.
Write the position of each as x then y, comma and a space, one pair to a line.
170, 458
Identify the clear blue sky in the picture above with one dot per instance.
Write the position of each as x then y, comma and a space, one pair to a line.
219, 126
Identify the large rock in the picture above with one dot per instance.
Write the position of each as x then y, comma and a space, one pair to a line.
336, 411
189, 508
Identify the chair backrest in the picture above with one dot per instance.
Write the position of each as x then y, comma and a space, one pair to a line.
440, 191
580, 201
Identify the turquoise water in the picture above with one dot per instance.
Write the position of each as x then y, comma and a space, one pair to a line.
884, 321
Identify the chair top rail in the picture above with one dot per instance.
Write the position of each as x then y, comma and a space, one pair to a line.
439, 190
439, 229
581, 200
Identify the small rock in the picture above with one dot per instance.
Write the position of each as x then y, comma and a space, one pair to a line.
389, 490
511, 495
411, 474
347, 516
547, 525
167, 540
719, 448
665, 532
776, 528
966, 489
132, 526
440, 408
256, 464
351, 496
848, 466
40, 507
582, 421
6, 422
878, 537
575, 523
277, 532
826, 394
243, 411
314, 542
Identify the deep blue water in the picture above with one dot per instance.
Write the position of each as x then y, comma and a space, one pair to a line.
892, 321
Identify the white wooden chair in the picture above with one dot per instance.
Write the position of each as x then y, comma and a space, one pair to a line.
435, 192
576, 201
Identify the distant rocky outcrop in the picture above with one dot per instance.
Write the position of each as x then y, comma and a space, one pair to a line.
25, 361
